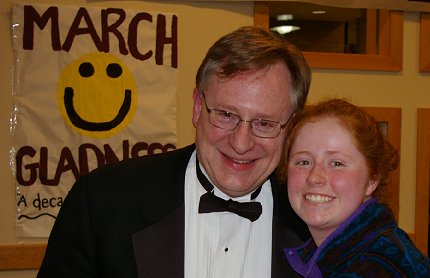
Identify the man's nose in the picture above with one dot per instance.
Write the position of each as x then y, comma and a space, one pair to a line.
241, 139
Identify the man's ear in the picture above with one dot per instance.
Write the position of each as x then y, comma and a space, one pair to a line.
197, 107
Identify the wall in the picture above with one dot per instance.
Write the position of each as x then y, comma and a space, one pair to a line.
200, 24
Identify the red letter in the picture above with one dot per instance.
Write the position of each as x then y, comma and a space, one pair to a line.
24, 151
75, 30
43, 168
113, 28
65, 163
162, 40
31, 16
83, 157
132, 36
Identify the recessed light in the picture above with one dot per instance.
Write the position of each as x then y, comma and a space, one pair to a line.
282, 17
284, 29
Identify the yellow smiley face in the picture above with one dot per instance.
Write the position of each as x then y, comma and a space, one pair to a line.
97, 95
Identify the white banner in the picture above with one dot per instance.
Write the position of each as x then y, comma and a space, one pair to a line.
92, 86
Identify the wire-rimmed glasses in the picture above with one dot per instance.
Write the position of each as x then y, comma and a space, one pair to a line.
229, 121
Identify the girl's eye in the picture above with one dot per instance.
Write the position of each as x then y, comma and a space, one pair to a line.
303, 162
337, 164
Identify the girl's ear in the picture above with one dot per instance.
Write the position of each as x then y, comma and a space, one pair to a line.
373, 184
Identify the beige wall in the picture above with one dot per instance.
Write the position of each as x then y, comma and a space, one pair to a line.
200, 23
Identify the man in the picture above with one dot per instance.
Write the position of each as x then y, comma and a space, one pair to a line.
160, 216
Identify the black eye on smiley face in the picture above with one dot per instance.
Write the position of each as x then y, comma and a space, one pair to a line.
113, 70
86, 69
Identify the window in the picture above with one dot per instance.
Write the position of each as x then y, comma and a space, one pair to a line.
425, 42
381, 49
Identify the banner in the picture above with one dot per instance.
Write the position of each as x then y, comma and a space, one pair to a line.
92, 86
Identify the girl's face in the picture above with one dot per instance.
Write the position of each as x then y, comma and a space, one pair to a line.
328, 177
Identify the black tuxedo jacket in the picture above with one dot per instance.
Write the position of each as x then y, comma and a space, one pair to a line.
127, 220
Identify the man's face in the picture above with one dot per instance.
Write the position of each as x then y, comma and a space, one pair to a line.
236, 161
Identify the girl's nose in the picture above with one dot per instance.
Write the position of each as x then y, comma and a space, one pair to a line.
316, 176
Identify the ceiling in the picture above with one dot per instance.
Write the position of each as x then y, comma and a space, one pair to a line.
303, 11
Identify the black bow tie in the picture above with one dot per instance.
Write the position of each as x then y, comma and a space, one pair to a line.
211, 203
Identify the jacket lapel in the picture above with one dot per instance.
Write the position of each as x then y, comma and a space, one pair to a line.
159, 248
282, 236
288, 230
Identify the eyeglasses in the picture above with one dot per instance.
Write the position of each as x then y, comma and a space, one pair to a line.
229, 121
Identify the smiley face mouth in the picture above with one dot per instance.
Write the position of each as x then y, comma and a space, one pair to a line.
92, 126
